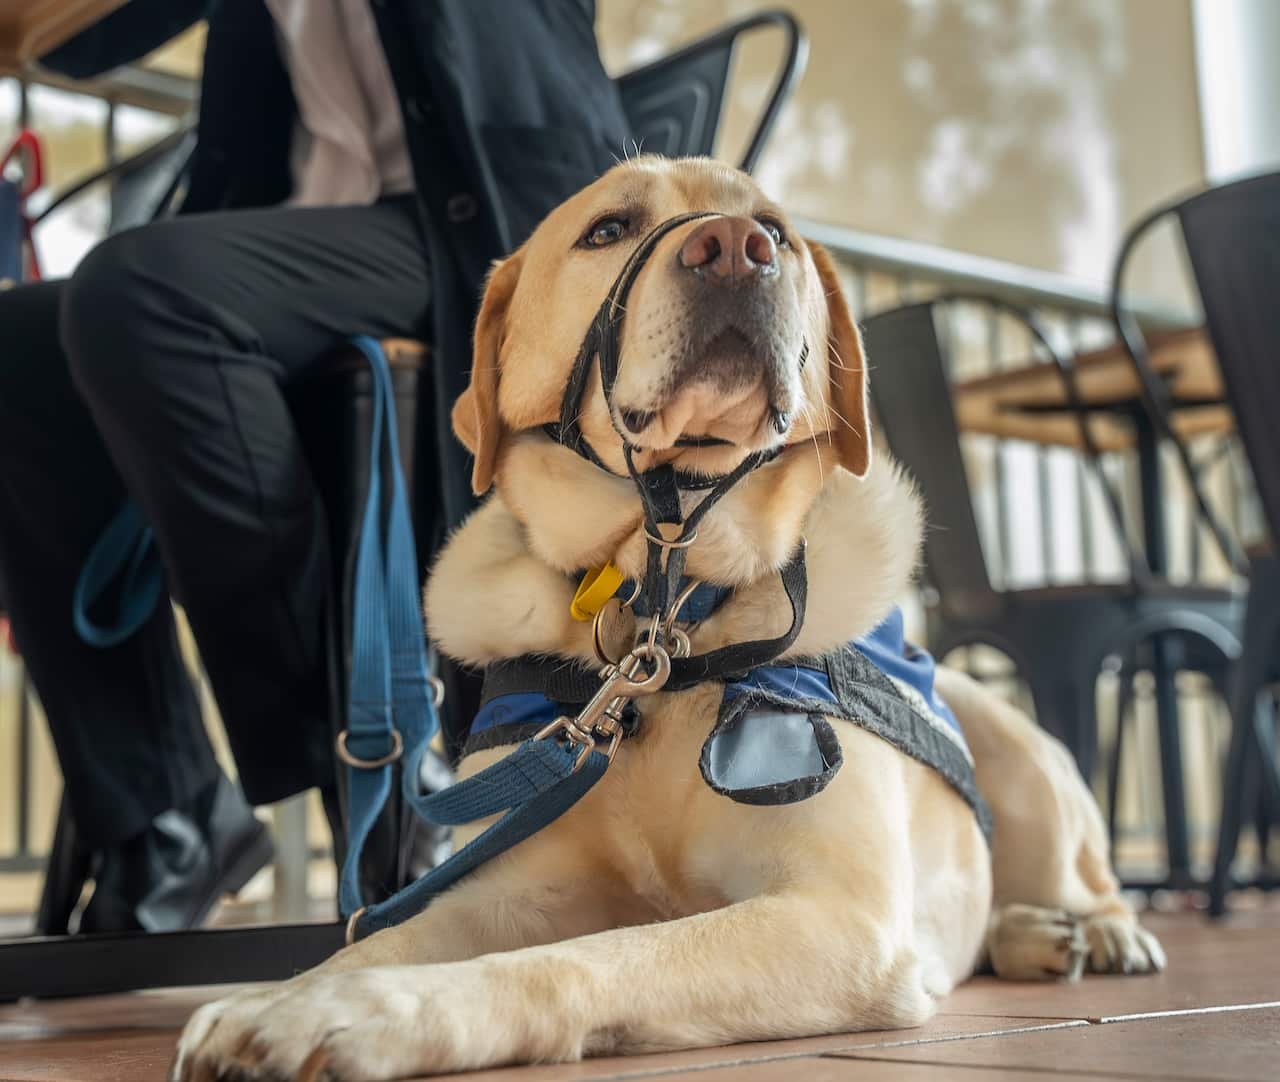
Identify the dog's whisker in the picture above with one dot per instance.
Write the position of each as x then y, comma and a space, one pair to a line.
806, 413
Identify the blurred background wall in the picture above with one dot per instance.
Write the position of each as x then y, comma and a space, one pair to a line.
1027, 130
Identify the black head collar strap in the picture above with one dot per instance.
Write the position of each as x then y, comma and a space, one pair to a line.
660, 487
604, 340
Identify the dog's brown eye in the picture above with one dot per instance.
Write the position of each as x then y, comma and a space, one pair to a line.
774, 230
605, 232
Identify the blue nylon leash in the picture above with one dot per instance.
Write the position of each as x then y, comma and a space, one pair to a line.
392, 707
126, 547
536, 782
390, 701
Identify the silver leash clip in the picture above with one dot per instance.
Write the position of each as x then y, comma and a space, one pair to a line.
601, 718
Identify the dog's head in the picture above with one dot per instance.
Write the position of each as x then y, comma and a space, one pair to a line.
735, 335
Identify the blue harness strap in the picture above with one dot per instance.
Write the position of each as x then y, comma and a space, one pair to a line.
910, 668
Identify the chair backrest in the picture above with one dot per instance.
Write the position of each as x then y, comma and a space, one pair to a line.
674, 105
151, 188
145, 186
1232, 234
912, 399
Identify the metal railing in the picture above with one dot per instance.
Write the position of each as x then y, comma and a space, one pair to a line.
911, 261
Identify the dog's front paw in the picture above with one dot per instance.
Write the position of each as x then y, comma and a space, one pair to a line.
368, 1025
353, 1027
231, 1015
1119, 944
1028, 943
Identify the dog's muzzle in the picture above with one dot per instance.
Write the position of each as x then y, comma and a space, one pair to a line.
659, 487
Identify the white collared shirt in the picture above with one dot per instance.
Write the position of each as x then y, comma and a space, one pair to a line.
349, 146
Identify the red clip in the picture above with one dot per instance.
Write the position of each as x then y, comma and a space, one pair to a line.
27, 153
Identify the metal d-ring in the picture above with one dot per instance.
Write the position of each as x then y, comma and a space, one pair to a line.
682, 645
674, 611
662, 542
352, 921
397, 749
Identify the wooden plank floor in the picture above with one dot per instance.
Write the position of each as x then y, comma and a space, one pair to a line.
1214, 1015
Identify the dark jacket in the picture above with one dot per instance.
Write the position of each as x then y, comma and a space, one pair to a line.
507, 112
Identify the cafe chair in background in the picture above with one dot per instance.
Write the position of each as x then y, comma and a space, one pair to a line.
1232, 238
1058, 637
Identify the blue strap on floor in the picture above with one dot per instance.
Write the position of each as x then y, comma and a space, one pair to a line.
126, 551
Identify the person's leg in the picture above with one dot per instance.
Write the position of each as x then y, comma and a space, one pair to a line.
125, 720
181, 336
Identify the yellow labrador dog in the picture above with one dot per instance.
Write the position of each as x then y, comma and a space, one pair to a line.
658, 913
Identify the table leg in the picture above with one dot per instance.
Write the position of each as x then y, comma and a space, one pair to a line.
1163, 668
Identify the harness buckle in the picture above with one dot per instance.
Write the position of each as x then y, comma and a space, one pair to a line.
602, 716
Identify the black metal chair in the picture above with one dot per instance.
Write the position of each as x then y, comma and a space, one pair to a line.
1232, 236
674, 106
1057, 637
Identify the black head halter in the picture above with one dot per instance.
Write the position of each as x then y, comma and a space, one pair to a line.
660, 486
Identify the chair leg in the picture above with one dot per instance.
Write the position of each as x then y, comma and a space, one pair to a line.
64, 876
1124, 702
1268, 807
1249, 717
1166, 659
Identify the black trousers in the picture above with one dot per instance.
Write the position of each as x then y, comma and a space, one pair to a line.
158, 370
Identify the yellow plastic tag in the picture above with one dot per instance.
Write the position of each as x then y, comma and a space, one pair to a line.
597, 586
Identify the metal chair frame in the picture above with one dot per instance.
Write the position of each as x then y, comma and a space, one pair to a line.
1057, 637
1252, 754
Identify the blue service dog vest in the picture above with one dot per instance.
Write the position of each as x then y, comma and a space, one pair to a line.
771, 742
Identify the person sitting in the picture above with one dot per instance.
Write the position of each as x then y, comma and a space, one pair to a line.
358, 166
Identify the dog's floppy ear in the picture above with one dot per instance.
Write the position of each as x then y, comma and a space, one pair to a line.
476, 419
851, 421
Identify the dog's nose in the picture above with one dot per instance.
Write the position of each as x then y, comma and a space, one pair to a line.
729, 250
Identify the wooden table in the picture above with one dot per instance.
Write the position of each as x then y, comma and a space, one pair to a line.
30, 28
1029, 402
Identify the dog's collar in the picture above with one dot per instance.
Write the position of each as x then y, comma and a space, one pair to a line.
700, 604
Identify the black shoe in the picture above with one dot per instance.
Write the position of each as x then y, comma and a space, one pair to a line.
168, 877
